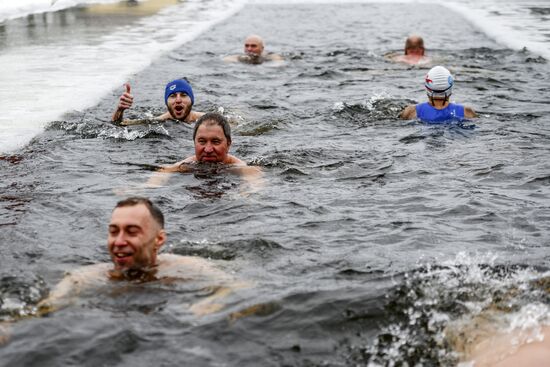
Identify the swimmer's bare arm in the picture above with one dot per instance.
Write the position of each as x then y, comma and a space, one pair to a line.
161, 176
205, 270
5, 332
231, 58
469, 112
70, 286
253, 176
59, 297
278, 59
408, 113
124, 102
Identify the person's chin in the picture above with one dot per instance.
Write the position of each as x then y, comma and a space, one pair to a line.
209, 159
178, 115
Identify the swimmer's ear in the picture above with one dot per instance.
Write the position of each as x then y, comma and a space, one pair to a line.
161, 238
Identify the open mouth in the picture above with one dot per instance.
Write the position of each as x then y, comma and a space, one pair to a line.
122, 257
178, 109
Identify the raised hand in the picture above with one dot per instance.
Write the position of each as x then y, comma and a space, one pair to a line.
126, 99
124, 102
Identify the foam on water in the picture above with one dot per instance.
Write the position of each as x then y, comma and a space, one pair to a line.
511, 23
41, 83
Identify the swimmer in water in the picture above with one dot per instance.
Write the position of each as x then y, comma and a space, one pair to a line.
178, 97
254, 52
488, 339
414, 52
439, 87
135, 236
212, 140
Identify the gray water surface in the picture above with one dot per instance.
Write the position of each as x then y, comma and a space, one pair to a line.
362, 219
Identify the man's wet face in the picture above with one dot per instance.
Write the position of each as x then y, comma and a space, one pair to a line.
179, 105
211, 145
253, 46
133, 238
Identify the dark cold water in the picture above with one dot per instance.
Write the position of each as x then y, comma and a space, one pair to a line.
371, 236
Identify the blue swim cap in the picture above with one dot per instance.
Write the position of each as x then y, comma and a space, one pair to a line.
178, 85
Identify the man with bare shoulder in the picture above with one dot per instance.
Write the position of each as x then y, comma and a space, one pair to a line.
135, 235
212, 140
179, 100
439, 87
254, 52
414, 52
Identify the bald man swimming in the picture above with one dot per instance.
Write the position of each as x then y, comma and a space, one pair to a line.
254, 52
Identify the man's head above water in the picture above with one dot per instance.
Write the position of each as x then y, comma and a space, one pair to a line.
212, 139
254, 52
414, 45
136, 233
253, 45
179, 98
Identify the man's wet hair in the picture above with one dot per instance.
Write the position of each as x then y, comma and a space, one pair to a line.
154, 210
213, 118
413, 41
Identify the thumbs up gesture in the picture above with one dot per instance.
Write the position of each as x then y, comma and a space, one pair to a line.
126, 99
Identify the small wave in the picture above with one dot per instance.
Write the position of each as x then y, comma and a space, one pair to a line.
376, 109
230, 250
287, 159
323, 75
428, 311
19, 295
91, 129
256, 128
540, 11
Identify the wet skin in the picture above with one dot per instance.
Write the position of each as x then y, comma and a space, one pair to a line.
134, 238
211, 145
179, 105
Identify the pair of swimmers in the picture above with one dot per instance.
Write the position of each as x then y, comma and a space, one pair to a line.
438, 83
211, 133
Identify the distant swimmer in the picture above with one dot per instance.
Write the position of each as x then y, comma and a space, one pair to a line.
254, 52
439, 87
178, 97
414, 52
135, 235
212, 140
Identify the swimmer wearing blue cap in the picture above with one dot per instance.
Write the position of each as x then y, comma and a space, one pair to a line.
439, 87
178, 97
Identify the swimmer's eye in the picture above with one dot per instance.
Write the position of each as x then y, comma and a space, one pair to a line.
201, 141
216, 142
113, 231
180, 94
133, 230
